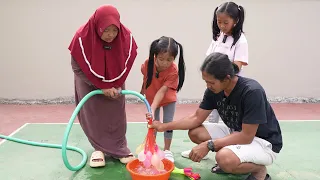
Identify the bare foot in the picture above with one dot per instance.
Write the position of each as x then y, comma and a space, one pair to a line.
260, 174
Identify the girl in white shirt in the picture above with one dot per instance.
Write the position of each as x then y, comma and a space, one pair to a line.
228, 38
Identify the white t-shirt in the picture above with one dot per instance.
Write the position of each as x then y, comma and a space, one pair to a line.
239, 52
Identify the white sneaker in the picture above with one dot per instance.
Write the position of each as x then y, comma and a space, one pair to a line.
168, 155
185, 154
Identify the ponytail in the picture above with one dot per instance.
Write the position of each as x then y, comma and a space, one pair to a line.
238, 29
151, 62
215, 27
181, 66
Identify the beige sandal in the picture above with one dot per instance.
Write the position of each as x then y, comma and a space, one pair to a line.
127, 159
97, 159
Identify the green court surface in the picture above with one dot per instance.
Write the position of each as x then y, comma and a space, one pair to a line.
298, 159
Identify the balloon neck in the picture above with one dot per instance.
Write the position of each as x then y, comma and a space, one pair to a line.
149, 119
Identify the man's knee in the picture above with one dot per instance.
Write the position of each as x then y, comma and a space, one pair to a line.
193, 135
227, 160
198, 135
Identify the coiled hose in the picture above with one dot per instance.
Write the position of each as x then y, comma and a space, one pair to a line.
64, 147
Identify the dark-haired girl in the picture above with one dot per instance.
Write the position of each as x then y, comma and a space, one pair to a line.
228, 38
162, 79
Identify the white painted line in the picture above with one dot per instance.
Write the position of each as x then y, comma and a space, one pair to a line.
137, 122
311, 120
14, 132
23, 126
79, 123
293, 120
51, 123
316, 120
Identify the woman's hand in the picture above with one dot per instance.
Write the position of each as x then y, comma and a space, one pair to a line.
112, 92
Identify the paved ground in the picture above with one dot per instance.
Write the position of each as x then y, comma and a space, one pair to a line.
298, 159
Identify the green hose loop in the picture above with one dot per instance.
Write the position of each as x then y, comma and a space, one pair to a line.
64, 146
67, 132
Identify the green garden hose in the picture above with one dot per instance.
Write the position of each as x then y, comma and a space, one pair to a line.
64, 146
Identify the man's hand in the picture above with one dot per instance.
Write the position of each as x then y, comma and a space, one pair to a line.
158, 126
199, 152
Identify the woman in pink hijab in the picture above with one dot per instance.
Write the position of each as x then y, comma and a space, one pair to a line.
102, 54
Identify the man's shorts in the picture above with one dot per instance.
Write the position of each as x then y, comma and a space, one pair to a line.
258, 152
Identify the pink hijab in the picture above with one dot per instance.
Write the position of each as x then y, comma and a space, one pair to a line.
105, 68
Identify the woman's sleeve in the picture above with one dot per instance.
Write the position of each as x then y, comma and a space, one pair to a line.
78, 72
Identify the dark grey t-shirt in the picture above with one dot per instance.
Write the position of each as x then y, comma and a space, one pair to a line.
248, 104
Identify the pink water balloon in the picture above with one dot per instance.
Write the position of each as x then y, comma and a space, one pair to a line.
155, 161
149, 155
147, 163
141, 156
160, 154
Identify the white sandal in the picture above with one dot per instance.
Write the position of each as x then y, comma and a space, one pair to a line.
168, 155
127, 159
97, 159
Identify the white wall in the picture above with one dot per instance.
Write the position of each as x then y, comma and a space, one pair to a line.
283, 38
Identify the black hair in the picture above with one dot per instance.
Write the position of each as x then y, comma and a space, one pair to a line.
236, 12
219, 66
162, 45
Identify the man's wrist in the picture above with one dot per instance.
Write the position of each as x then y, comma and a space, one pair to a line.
165, 126
210, 146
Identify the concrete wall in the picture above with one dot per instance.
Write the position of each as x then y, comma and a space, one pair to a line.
282, 34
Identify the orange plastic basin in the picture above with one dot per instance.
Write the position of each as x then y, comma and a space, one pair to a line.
168, 166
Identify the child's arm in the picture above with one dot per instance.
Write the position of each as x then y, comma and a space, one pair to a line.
158, 97
142, 88
241, 53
